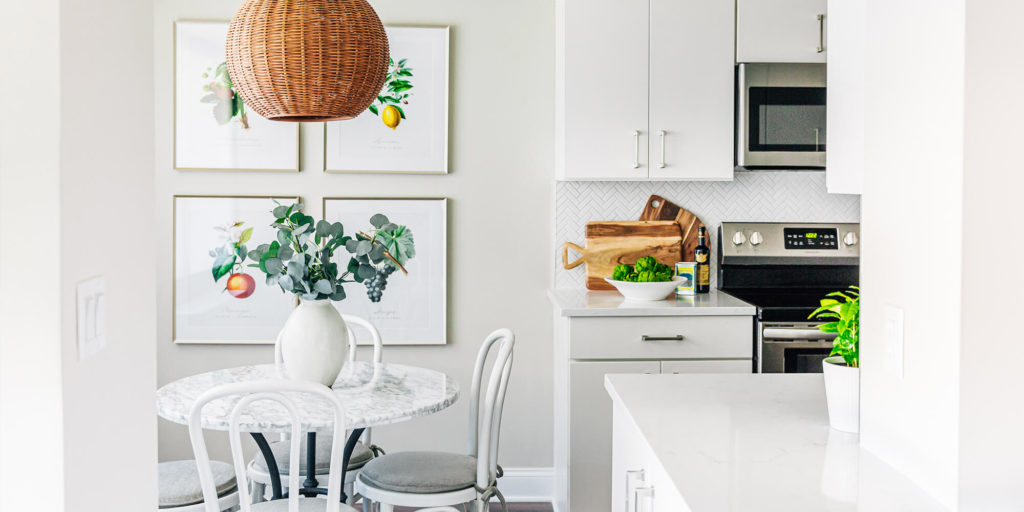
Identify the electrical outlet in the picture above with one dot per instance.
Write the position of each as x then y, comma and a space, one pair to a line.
892, 352
92, 317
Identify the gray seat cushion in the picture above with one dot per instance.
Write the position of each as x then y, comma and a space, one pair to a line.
420, 472
361, 454
179, 482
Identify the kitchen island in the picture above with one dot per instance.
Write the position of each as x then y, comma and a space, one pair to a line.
720, 443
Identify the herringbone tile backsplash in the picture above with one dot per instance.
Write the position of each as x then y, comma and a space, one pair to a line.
752, 196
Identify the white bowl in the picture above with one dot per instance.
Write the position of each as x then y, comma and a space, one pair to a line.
644, 291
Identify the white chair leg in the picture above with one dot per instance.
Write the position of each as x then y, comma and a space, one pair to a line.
257, 492
385, 507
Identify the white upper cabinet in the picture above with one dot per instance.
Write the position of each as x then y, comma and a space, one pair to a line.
844, 160
692, 124
781, 31
644, 89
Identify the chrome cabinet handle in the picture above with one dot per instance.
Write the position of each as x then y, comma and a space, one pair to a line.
634, 478
677, 337
636, 154
821, 33
645, 499
661, 135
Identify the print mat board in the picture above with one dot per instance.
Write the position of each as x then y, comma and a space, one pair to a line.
413, 308
203, 311
415, 96
212, 128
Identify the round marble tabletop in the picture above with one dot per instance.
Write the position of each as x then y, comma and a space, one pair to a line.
373, 394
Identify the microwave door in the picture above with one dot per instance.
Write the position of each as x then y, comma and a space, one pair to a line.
781, 118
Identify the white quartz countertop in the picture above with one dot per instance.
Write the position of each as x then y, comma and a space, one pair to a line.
744, 442
582, 302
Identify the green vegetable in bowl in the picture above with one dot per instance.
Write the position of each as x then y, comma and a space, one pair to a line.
646, 270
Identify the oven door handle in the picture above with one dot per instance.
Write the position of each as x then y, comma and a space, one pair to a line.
783, 333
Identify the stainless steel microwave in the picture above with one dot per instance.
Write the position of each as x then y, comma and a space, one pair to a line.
780, 116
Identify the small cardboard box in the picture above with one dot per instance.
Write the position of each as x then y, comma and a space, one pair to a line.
686, 271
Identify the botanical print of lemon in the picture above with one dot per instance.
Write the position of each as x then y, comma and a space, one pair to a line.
394, 95
391, 117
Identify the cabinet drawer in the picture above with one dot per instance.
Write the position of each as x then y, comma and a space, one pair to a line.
730, 366
678, 337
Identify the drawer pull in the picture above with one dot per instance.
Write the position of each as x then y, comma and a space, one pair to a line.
634, 479
644, 501
677, 337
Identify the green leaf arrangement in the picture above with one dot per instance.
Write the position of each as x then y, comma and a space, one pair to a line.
842, 309
228, 258
227, 104
397, 85
299, 261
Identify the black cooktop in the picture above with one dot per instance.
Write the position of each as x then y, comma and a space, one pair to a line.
782, 304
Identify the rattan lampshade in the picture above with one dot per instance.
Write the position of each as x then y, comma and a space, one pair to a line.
307, 60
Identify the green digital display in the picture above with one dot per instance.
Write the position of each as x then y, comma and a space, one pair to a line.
811, 235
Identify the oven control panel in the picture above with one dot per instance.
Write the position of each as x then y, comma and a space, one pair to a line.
811, 238
783, 243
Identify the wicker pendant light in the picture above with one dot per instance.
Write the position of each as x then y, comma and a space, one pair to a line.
307, 60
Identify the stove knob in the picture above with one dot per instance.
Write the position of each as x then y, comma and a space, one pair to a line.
739, 238
850, 238
756, 238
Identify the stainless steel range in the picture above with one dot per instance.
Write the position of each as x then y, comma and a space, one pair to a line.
785, 269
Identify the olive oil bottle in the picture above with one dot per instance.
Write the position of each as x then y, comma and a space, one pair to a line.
702, 254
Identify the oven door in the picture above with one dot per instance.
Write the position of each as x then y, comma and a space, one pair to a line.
793, 347
781, 116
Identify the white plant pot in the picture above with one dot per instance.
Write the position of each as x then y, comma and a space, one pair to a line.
842, 392
314, 342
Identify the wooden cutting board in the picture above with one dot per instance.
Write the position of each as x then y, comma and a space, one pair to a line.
614, 242
658, 208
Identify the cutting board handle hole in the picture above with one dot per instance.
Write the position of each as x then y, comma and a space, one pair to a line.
655, 203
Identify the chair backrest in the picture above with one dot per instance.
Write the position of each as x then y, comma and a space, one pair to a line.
485, 410
271, 390
378, 343
370, 328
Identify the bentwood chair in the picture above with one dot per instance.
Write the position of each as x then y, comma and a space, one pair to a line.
363, 452
180, 490
274, 391
440, 479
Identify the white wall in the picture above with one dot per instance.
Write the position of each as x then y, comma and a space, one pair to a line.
107, 229
991, 348
30, 343
500, 211
911, 211
76, 166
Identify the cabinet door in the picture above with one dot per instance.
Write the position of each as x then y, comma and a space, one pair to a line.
590, 431
691, 99
780, 31
844, 160
601, 119
723, 366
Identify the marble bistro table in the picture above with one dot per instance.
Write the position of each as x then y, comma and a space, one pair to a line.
373, 395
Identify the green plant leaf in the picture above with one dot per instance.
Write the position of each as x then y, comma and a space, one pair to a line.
222, 111
324, 286
378, 220
273, 266
367, 271
373, 109
286, 282
245, 236
363, 247
281, 212
223, 270
400, 111
210, 98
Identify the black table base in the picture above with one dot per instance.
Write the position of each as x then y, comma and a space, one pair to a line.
310, 487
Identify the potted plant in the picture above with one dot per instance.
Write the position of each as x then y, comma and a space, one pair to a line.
314, 340
842, 367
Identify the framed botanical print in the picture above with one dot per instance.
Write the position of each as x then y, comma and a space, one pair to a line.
213, 128
405, 130
414, 309
218, 298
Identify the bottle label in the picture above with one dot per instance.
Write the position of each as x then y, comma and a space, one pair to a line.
704, 275
701, 258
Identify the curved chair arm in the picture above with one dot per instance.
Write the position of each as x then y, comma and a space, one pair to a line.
378, 343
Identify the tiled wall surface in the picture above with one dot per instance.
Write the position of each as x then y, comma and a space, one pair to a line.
752, 196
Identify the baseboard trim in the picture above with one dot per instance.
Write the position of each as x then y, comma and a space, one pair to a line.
528, 484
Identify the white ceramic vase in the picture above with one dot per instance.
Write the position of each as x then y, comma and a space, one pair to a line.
842, 392
313, 344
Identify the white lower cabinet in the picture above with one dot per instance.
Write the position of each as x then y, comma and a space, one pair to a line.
639, 482
588, 348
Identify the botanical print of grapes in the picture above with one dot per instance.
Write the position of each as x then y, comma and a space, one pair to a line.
227, 104
397, 85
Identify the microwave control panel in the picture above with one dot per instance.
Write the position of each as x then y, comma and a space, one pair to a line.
811, 238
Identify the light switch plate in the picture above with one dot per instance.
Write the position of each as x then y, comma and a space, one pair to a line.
892, 355
92, 317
